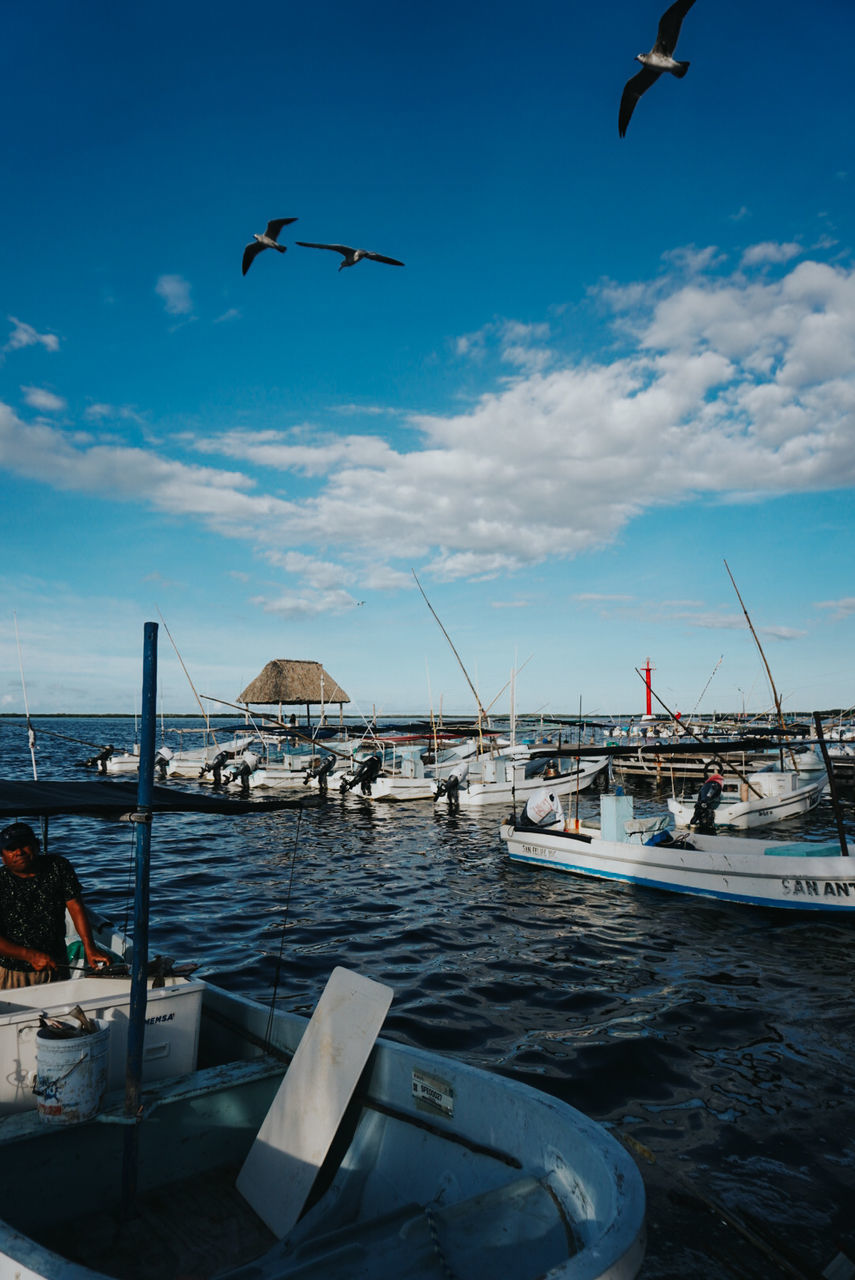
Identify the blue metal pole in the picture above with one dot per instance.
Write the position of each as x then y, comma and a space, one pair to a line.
139, 973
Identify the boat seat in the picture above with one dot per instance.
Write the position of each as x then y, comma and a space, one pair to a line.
515, 1228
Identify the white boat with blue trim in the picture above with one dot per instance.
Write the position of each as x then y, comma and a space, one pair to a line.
762, 873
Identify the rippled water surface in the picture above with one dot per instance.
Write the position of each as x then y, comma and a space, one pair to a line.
720, 1038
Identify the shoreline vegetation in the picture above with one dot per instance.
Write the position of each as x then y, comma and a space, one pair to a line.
448, 717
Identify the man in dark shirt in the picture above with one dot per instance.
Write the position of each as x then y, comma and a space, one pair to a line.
35, 891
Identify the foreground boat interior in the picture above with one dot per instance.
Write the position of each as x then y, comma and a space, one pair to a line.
436, 1168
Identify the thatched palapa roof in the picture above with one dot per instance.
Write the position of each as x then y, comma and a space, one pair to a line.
285, 680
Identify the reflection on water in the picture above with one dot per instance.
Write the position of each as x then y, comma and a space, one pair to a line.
719, 1037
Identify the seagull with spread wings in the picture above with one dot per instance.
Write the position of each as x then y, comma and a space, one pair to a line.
351, 256
268, 239
659, 59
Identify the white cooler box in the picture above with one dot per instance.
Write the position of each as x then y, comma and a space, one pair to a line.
170, 1045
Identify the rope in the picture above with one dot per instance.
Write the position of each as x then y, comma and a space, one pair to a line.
268, 1034
434, 1235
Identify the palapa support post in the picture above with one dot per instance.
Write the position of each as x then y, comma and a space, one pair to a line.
139, 972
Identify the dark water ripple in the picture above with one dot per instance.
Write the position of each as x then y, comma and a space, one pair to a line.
721, 1038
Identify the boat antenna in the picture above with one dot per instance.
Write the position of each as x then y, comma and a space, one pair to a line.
481, 711
31, 733
707, 685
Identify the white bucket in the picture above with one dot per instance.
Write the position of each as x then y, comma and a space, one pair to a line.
71, 1074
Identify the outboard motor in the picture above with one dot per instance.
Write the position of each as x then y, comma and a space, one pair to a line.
99, 762
320, 770
163, 755
215, 767
241, 771
703, 819
366, 772
451, 784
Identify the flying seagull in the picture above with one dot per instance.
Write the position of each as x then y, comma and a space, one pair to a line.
267, 240
351, 256
659, 59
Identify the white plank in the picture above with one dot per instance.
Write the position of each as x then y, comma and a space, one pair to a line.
304, 1117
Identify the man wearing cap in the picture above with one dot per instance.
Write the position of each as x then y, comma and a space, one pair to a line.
703, 819
35, 890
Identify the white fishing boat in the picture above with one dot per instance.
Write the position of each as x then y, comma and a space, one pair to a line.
428, 1168
800, 875
759, 798
278, 1147
500, 779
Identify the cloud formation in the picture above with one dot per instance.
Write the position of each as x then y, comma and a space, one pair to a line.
24, 335
725, 387
175, 292
47, 401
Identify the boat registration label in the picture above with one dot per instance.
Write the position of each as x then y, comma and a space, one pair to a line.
430, 1093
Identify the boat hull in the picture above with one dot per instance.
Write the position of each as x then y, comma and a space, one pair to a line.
727, 868
756, 811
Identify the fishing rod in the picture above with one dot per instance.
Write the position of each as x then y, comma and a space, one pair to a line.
275, 722
205, 716
763, 656
713, 753
481, 711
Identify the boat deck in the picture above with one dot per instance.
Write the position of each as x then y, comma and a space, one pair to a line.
191, 1230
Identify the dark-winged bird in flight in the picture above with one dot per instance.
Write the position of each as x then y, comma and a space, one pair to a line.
659, 59
267, 240
351, 256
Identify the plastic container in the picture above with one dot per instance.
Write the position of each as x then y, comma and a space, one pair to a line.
170, 1044
71, 1074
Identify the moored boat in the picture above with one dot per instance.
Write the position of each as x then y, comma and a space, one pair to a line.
759, 798
294, 1148
797, 875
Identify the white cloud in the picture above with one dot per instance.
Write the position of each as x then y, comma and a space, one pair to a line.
516, 343
175, 292
118, 413
728, 388
39, 398
841, 608
770, 252
24, 335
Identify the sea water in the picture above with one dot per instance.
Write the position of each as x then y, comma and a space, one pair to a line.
718, 1039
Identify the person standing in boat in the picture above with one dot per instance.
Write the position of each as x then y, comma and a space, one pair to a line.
35, 890
703, 818
543, 811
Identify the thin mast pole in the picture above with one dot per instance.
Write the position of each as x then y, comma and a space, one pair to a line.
832, 786
139, 974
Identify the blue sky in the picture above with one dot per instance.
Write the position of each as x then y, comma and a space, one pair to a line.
608, 366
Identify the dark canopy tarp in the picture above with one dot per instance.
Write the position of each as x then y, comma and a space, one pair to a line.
114, 799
